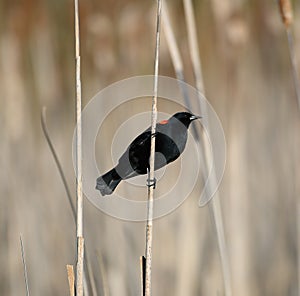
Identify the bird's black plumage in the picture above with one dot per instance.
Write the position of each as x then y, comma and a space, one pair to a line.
171, 136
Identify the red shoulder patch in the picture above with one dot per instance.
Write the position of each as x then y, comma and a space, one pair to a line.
164, 121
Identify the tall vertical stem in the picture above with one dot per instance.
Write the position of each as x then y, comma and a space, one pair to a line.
214, 205
151, 181
79, 196
286, 12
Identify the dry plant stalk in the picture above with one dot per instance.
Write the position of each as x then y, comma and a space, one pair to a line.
24, 266
79, 196
286, 12
298, 242
79, 267
193, 43
88, 275
176, 59
57, 162
151, 180
71, 279
174, 51
214, 204
171, 42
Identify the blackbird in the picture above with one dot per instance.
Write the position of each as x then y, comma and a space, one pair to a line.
170, 140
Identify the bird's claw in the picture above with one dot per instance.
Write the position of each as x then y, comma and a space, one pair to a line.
151, 183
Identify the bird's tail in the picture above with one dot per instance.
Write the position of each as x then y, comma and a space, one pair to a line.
107, 183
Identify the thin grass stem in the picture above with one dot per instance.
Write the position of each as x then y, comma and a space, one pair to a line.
151, 179
286, 12
214, 205
57, 162
79, 196
88, 275
24, 266
293, 59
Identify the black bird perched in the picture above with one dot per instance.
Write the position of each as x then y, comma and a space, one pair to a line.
170, 141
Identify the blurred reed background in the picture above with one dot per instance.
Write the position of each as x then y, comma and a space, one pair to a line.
248, 80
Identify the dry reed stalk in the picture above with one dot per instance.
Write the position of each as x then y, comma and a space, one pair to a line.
79, 196
298, 243
193, 43
175, 56
171, 42
151, 179
24, 266
185, 284
286, 12
214, 205
89, 272
294, 64
79, 267
71, 279
57, 162
88, 276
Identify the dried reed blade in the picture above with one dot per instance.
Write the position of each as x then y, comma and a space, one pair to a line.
24, 266
57, 162
214, 205
71, 279
286, 12
177, 61
293, 63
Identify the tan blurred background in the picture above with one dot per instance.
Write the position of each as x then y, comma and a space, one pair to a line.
247, 76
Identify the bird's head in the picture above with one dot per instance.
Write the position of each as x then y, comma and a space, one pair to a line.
185, 118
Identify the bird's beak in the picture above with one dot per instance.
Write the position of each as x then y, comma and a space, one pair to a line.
194, 117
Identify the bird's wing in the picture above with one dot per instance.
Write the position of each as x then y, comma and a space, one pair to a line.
135, 159
139, 152
142, 141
